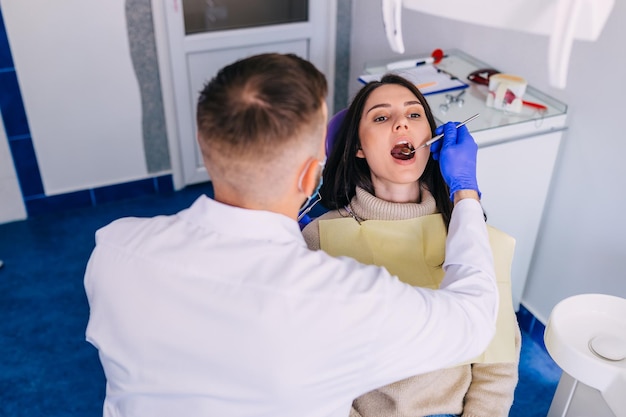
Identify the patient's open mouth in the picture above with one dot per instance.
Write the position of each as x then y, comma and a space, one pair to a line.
403, 151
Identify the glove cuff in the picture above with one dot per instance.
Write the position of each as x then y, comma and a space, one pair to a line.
475, 188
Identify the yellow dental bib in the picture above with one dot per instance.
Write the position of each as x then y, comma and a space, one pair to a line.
414, 250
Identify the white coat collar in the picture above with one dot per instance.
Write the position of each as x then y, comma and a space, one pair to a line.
243, 223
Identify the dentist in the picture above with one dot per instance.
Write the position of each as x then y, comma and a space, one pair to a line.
221, 310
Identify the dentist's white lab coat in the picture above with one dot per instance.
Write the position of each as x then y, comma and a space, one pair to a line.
221, 311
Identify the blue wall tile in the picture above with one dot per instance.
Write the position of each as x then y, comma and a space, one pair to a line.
26, 166
12, 106
42, 204
164, 184
529, 324
122, 191
6, 60
16, 126
525, 319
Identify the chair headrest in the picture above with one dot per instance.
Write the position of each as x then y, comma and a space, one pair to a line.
333, 129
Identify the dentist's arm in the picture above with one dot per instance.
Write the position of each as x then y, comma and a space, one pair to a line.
456, 154
462, 194
467, 245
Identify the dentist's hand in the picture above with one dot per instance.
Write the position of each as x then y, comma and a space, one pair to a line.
456, 153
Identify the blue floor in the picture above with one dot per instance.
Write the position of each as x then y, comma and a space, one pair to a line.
46, 366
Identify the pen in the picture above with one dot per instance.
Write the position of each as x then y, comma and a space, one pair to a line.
436, 138
434, 58
408, 63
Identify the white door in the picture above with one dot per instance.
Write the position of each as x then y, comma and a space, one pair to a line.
205, 35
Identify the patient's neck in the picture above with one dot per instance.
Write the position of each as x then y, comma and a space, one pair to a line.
397, 193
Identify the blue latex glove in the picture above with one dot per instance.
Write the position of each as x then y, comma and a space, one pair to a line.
456, 153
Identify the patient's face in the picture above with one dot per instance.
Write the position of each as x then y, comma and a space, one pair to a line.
393, 116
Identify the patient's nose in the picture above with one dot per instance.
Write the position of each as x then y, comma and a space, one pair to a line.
401, 123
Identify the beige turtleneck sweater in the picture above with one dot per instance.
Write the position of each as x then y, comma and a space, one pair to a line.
476, 390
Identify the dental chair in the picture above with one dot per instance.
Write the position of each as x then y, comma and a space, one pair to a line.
333, 129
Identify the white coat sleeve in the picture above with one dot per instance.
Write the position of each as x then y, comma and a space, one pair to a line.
424, 329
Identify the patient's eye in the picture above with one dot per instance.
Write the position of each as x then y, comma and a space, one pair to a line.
414, 112
380, 118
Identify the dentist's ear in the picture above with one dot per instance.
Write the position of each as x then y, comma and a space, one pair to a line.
307, 182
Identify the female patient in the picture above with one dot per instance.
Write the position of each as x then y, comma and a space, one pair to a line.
385, 203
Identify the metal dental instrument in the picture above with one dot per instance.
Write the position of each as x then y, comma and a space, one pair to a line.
436, 138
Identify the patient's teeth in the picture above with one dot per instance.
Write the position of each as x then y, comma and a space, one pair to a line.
403, 151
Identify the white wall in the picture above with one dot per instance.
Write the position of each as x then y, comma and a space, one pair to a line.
11, 204
79, 90
583, 237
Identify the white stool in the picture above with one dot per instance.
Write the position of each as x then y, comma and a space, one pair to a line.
586, 337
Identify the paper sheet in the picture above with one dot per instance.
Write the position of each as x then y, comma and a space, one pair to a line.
427, 78
414, 250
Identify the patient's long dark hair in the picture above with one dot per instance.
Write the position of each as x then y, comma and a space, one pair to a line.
344, 171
